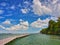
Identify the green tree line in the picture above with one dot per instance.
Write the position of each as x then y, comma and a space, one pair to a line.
53, 27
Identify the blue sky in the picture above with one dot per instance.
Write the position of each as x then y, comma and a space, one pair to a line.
27, 16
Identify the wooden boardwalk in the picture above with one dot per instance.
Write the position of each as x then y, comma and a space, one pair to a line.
6, 40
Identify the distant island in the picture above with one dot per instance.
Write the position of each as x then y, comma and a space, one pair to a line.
53, 28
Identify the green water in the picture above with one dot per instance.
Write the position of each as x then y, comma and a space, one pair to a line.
37, 39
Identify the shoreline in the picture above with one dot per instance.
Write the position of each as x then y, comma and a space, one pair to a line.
7, 40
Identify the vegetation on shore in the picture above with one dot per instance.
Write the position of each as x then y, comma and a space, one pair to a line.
53, 28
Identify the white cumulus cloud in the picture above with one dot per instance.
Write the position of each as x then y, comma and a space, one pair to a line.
25, 10
23, 25
40, 9
50, 7
6, 22
54, 19
2, 27
54, 1
40, 23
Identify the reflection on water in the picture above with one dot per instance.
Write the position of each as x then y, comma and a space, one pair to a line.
55, 37
37, 39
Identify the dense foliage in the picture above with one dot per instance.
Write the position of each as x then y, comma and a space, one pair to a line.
53, 27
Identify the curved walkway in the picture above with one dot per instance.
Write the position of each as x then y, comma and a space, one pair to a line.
6, 40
